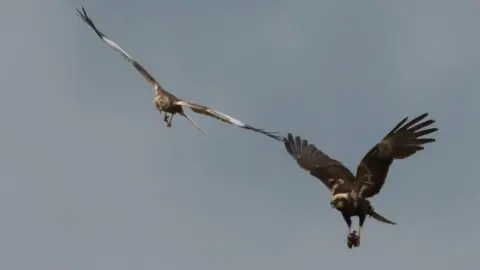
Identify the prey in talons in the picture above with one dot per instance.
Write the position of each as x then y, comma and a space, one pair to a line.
345, 204
350, 192
353, 239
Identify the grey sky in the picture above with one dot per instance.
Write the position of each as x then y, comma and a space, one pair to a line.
85, 183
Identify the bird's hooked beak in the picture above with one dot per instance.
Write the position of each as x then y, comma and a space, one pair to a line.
337, 204
332, 204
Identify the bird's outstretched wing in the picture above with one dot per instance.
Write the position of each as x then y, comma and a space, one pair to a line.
225, 118
401, 142
156, 86
328, 170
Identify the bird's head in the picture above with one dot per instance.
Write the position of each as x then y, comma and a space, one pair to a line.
339, 201
162, 102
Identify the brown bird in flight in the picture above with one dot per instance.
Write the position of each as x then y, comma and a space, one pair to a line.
167, 102
350, 192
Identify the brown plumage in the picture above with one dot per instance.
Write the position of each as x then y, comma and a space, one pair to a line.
350, 192
167, 102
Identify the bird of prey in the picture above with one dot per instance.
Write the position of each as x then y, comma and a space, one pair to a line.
349, 192
167, 102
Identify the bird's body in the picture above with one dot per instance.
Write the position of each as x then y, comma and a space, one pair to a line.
361, 208
344, 203
349, 192
167, 102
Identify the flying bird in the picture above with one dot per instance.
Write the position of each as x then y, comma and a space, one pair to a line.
349, 192
167, 102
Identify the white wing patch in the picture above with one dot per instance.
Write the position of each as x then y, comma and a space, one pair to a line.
231, 119
117, 48
214, 112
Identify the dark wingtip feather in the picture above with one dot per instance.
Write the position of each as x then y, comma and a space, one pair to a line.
418, 129
290, 145
425, 140
290, 139
295, 143
86, 19
415, 130
414, 125
83, 14
422, 125
273, 135
425, 132
397, 126
288, 148
298, 143
413, 122
269, 134
304, 145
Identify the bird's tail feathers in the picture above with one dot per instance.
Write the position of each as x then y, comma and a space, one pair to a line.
380, 218
184, 114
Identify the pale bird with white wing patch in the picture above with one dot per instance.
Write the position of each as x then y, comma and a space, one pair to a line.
166, 102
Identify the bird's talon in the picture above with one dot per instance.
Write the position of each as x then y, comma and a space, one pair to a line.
352, 240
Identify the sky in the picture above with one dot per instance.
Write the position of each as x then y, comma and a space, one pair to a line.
90, 177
